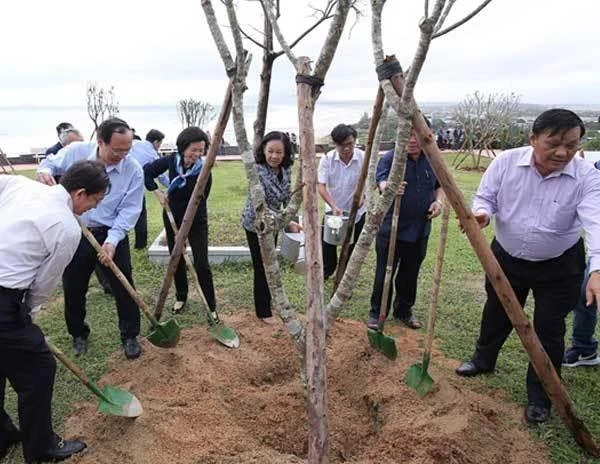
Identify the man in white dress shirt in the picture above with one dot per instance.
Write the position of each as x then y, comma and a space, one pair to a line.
39, 238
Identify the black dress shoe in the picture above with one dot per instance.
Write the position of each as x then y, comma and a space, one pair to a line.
535, 414
80, 346
12, 438
132, 348
61, 450
469, 369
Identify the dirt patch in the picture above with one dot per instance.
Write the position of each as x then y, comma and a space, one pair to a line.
204, 403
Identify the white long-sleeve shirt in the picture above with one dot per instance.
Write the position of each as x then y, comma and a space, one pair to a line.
38, 236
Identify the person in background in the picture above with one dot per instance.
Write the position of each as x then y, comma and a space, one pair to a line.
538, 241
584, 346
135, 136
273, 162
338, 175
110, 224
40, 236
422, 200
184, 168
145, 152
53, 150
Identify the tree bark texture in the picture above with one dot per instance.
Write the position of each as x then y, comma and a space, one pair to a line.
316, 340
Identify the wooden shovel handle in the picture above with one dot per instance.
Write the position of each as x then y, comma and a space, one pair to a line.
187, 259
359, 189
117, 272
390, 262
437, 277
74, 368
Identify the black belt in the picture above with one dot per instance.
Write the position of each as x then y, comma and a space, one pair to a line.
15, 293
98, 229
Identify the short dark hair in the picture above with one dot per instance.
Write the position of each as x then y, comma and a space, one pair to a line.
259, 154
190, 135
341, 132
111, 126
154, 135
88, 175
557, 120
63, 126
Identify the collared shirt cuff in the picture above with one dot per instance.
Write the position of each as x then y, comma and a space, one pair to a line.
594, 264
114, 237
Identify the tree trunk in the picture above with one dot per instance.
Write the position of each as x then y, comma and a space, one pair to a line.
316, 340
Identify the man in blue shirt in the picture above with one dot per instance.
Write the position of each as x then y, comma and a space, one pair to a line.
109, 223
145, 152
422, 201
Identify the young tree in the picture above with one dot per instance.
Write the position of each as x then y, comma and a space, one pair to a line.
101, 104
195, 112
483, 119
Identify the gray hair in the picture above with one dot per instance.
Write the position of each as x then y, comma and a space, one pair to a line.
64, 135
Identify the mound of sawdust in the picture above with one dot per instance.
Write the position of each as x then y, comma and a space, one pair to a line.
204, 403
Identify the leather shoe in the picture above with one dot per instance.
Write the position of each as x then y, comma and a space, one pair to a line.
132, 349
469, 369
61, 450
535, 414
411, 322
80, 345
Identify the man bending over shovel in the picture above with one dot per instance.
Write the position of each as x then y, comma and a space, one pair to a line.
109, 223
39, 238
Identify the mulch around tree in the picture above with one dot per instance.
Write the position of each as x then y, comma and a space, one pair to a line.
204, 403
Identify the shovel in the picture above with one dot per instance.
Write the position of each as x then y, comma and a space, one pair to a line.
218, 330
417, 376
113, 401
164, 334
377, 339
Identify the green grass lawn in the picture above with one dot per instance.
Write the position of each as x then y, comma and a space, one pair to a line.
460, 303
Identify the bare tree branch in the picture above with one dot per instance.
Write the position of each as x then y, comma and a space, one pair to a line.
462, 21
445, 14
333, 38
251, 39
426, 8
215, 30
268, 6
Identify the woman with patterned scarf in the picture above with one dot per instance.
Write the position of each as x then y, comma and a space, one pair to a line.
273, 162
184, 168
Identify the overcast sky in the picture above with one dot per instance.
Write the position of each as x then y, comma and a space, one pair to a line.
156, 51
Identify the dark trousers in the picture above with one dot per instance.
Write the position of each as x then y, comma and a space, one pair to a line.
330, 258
585, 320
76, 279
29, 367
408, 258
262, 294
198, 239
141, 228
555, 284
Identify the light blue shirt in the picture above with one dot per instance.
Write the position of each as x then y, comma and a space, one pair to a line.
144, 153
120, 208
537, 217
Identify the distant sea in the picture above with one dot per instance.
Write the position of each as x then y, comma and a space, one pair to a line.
25, 128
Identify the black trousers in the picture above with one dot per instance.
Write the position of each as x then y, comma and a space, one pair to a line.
198, 239
30, 368
262, 294
555, 284
76, 279
330, 258
141, 228
408, 257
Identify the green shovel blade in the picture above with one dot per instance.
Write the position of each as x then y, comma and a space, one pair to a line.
418, 378
225, 335
165, 334
117, 402
383, 343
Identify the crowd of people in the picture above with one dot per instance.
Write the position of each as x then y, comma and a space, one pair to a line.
537, 243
